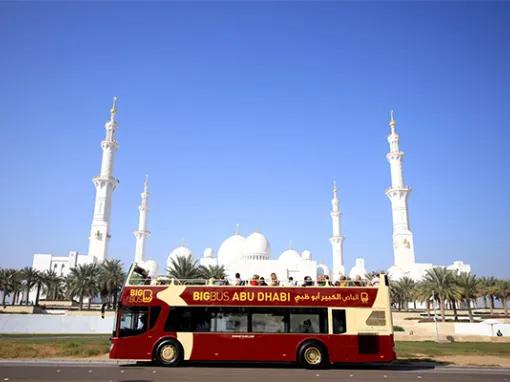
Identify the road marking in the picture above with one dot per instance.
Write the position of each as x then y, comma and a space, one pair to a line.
153, 371
58, 370
385, 376
6, 379
122, 371
90, 370
351, 375
419, 377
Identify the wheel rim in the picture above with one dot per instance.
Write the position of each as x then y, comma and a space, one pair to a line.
168, 353
313, 356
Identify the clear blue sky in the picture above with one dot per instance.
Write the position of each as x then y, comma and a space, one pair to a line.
246, 112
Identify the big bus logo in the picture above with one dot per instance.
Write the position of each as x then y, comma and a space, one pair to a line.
137, 296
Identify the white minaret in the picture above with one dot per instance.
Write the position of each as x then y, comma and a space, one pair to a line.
337, 240
105, 183
142, 233
403, 247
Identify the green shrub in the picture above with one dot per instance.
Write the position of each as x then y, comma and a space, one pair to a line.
397, 328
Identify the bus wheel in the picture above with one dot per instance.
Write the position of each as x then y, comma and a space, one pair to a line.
169, 353
312, 355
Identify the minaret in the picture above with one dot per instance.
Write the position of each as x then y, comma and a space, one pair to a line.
142, 233
337, 240
403, 247
105, 183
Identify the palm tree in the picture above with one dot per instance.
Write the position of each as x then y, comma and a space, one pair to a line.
212, 272
468, 285
111, 279
7, 282
83, 282
39, 281
441, 281
52, 283
503, 287
489, 288
29, 276
184, 268
408, 290
424, 294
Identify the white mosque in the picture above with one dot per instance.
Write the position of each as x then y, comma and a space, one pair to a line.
250, 254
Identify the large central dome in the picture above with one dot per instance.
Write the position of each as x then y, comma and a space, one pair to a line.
257, 247
231, 250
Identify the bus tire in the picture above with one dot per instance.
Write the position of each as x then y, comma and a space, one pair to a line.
169, 353
313, 355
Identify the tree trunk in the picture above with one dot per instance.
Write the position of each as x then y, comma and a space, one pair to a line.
454, 306
441, 307
427, 306
505, 305
470, 313
15, 294
485, 302
115, 297
492, 304
28, 294
37, 294
3, 299
414, 305
90, 300
81, 301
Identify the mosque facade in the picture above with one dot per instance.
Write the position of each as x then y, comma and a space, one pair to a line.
251, 254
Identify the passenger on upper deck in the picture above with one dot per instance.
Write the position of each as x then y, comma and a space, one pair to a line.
254, 280
238, 281
358, 281
342, 282
308, 281
262, 282
274, 280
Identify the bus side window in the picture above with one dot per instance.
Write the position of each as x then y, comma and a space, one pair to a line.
155, 310
133, 321
339, 324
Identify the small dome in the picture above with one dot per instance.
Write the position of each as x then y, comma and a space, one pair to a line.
151, 267
306, 255
208, 253
290, 257
231, 250
257, 247
180, 251
322, 270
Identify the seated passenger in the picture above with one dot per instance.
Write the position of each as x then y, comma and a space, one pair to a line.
254, 280
343, 281
375, 280
262, 282
321, 281
358, 281
238, 281
274, 280
305, 327
308, 281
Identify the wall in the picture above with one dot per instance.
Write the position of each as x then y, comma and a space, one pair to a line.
55, 324
481, 329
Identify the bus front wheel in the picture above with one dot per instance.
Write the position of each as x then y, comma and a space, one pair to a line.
169, 353
312, 355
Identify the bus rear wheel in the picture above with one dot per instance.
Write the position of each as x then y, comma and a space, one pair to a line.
169, 353
313, 355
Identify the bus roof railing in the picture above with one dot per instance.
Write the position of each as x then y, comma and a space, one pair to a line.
139, 276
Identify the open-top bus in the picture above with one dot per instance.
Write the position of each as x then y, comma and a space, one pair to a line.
171, 321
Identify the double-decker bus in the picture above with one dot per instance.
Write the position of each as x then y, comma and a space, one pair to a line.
171, 321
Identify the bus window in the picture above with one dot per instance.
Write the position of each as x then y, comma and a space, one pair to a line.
230, 321
376, 318
188, 320
339, 324
155, 310
304, 323
133, 321
268, 322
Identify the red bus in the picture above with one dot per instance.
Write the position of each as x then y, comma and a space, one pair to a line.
315, 326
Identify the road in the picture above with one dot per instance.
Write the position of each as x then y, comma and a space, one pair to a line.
83, 371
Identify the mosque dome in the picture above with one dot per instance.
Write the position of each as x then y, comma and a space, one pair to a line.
290, 257
322, 270
306, 255
208, 253
180, 251
257, 247
231, 250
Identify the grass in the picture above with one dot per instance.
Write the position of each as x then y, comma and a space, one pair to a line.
86, 346
52, 346
430, 349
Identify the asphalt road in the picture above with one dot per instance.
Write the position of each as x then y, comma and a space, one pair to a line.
68, 371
